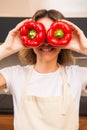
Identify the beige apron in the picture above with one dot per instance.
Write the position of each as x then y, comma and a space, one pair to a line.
47, 113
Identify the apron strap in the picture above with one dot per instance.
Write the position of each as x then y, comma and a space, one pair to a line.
27, 80
66, 91
64, 76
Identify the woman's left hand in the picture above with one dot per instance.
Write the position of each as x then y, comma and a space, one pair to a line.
79, 40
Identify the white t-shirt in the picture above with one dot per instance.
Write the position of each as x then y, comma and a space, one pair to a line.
48, 84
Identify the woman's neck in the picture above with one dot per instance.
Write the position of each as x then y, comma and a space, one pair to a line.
46, 67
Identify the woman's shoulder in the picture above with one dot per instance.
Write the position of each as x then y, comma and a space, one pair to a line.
16, 68
72, 69
76, 69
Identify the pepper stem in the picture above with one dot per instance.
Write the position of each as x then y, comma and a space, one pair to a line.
59, 33
32, 33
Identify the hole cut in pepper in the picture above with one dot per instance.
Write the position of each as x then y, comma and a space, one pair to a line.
59, 33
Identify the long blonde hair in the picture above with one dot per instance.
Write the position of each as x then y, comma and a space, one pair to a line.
65, 56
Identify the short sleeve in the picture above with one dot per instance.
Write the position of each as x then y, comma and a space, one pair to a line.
77, 76
6, 72
83, 76
14, 77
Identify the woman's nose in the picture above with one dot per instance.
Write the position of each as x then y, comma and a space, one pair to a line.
46, 43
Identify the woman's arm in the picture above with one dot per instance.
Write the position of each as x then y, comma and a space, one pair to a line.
79, 40
11, 45
2, 82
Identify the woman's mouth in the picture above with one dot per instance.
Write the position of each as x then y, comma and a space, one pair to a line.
47, 49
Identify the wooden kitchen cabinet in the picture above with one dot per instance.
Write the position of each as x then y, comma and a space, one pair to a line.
6, 122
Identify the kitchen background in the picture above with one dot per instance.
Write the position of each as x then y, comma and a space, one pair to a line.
26, 8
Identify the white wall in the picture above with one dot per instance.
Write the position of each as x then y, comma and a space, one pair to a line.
26, 8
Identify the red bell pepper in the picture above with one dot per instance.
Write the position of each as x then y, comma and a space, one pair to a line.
59, 33
32, 34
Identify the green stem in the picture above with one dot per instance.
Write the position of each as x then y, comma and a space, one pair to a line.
59, 33
32, 33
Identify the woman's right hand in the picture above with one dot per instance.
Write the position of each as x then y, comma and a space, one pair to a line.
13, 42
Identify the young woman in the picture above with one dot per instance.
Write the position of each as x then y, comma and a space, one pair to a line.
46, 92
